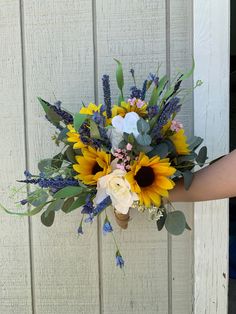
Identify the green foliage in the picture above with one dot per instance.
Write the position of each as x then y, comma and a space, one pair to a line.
143, 126
175, 222
195, 142
79, 119
202, 156
94, 131
52, 116
68, 191
62, 135
120, 79
57, 161
37, 197
161, 150
47, 218
77, 203
44, 164
144, 139
70, 154
157, 90
67, 204
28, 213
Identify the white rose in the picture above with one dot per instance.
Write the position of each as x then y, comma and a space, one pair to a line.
117, 187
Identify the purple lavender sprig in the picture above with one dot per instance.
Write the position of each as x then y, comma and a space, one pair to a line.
135, 92
54, 184
67, 118
171, 107
107, 94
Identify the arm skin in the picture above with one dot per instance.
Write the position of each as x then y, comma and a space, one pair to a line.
216, 181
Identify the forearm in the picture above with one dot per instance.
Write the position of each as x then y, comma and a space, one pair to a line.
216, 181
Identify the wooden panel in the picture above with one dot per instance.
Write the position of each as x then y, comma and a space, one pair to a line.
59, 60
211, 115
134, 33
180, 53
15, 283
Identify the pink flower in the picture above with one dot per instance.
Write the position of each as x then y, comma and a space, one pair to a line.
140, 103
129, 146
132, 101
176, 126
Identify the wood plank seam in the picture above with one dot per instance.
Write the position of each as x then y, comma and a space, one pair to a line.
99, 228
24, 91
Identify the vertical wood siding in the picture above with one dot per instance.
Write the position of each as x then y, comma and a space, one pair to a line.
59, 49
15, 279
211, 115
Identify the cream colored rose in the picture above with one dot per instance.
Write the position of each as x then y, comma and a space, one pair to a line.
115, 186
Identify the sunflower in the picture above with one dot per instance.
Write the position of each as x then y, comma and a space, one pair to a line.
92, 165
126, 107
179, 139
92, 108
74, 137
148, 178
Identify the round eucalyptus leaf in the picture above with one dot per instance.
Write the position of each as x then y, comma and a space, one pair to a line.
47, 218
175, 222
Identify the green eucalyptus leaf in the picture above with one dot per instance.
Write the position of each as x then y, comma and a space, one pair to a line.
70, 154
160, 150
68, 191
139, 148
94, 131
62, 135
57, 161
37, 197
190, 157
175, 222
202, 156
79, 120
188, 178
67, 204
55, 205
144, 139
195, 142
47, 218
77, 203
143, 126
44, 164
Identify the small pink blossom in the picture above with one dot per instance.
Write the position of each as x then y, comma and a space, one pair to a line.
129, 146
176, 126
132, 101
140, 103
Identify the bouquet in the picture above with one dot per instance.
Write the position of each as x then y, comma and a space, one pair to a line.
119, 157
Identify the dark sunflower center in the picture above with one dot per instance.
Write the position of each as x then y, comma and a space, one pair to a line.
96, 168
145, 177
